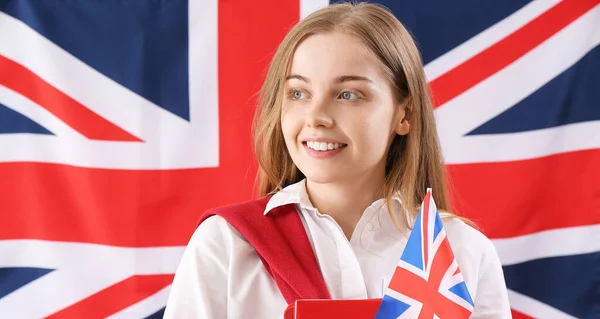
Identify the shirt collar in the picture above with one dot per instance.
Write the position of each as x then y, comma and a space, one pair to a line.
292, 194
297, 194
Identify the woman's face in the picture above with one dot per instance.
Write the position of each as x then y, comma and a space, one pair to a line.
339, 113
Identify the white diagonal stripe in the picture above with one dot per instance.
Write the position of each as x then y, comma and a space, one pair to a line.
145, 307
38, 114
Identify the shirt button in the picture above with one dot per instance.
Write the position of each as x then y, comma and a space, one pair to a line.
369, 226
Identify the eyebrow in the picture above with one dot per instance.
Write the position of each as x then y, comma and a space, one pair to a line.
297, 77
339, 79
348, 78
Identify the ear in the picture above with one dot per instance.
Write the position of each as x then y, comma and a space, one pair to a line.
403, 119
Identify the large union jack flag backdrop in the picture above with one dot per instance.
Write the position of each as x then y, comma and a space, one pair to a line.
121, 121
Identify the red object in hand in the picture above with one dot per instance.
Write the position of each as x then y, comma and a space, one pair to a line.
328, 308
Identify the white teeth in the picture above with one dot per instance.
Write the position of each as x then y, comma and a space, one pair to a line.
322, 146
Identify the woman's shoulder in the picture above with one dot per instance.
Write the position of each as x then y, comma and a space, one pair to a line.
222, 222
465, 235
212, 233
253, 206
216, 239
474, 251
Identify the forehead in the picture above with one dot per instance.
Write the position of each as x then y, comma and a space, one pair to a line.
334, 54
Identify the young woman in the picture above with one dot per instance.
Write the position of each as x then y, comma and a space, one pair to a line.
347, 146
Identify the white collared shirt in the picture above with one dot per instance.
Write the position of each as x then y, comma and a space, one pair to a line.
221, 275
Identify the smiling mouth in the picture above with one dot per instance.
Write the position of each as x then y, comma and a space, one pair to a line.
323, 146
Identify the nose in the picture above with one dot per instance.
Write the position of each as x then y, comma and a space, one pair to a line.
318, 115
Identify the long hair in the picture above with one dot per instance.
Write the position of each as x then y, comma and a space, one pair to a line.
414, 161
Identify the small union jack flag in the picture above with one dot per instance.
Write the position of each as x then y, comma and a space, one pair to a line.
427, 280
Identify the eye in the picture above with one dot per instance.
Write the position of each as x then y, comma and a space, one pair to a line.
347, 95
297, 95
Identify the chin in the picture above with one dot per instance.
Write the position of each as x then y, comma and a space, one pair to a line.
323, 176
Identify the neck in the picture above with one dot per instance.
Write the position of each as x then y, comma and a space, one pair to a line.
345, 201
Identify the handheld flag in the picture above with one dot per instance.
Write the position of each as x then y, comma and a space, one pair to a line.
427, 282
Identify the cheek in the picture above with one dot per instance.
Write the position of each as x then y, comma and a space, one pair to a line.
289, 125
376, 140
373, 132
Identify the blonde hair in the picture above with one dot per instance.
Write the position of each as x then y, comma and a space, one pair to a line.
414, 161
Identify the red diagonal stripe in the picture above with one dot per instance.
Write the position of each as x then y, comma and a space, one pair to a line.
89, 124
518, 315
510, 199
116, 297
456, 272
508, 50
